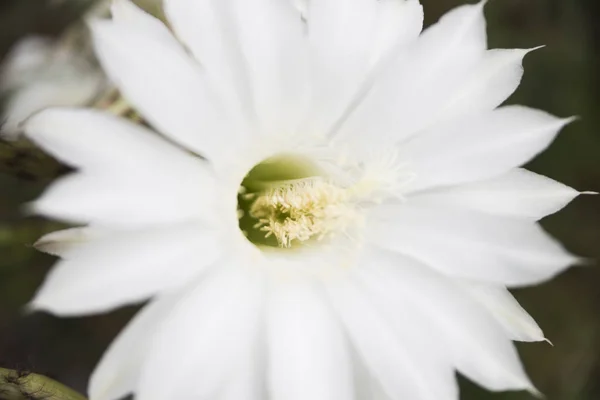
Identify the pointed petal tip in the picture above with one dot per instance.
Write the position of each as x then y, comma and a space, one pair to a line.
30, 209
37, 304
45, 245
525, 384
479, 8
580, 260
542, 338
536, 392
561, 123
569, 120
523, 52
30, 308
530, 387
53, 306
35, 208
583, 262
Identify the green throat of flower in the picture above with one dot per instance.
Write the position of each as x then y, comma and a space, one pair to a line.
285, 202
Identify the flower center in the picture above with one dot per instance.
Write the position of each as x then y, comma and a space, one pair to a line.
285, 201
300, 210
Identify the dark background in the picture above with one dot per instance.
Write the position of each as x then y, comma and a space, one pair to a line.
563, 78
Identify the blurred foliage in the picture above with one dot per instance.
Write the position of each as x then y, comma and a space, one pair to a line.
563, 78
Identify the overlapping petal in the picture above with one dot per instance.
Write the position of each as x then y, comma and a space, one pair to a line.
471, 245
399, 23
208, 30
90, 198
254, 52
127, 14
309, 357
126, 267
94, 140
518, 324
120, 182
211, 330
401, 369
341, 39
272, 40
61, 243
478, 346
421, 79
517, 193
166, 86
117, 373
479, 147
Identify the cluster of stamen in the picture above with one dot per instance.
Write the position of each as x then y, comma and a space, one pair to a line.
298, 210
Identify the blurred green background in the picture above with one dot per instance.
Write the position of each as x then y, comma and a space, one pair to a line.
563, 78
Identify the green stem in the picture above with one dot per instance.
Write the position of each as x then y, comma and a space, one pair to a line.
27, 386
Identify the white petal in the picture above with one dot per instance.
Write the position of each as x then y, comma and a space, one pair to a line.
366, 385
117, 373
272, 40
41, 95
116, 202
491, 83
166, 86
197, 350
399, 23
126, 268
341, 37
480, 147
518, 324
410, 327
248, 382
266, 40
61, 243
98, 141
308, 354
39, 73
126, 13
400, 371
477, 342
208, 29
459, 33
130, 176
302, 7
518, 193
26, 57
471, 245
420, 80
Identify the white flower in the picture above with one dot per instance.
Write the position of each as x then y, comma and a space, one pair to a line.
39, 73
351, 228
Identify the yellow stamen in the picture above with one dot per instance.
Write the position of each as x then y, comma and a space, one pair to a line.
301, 209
